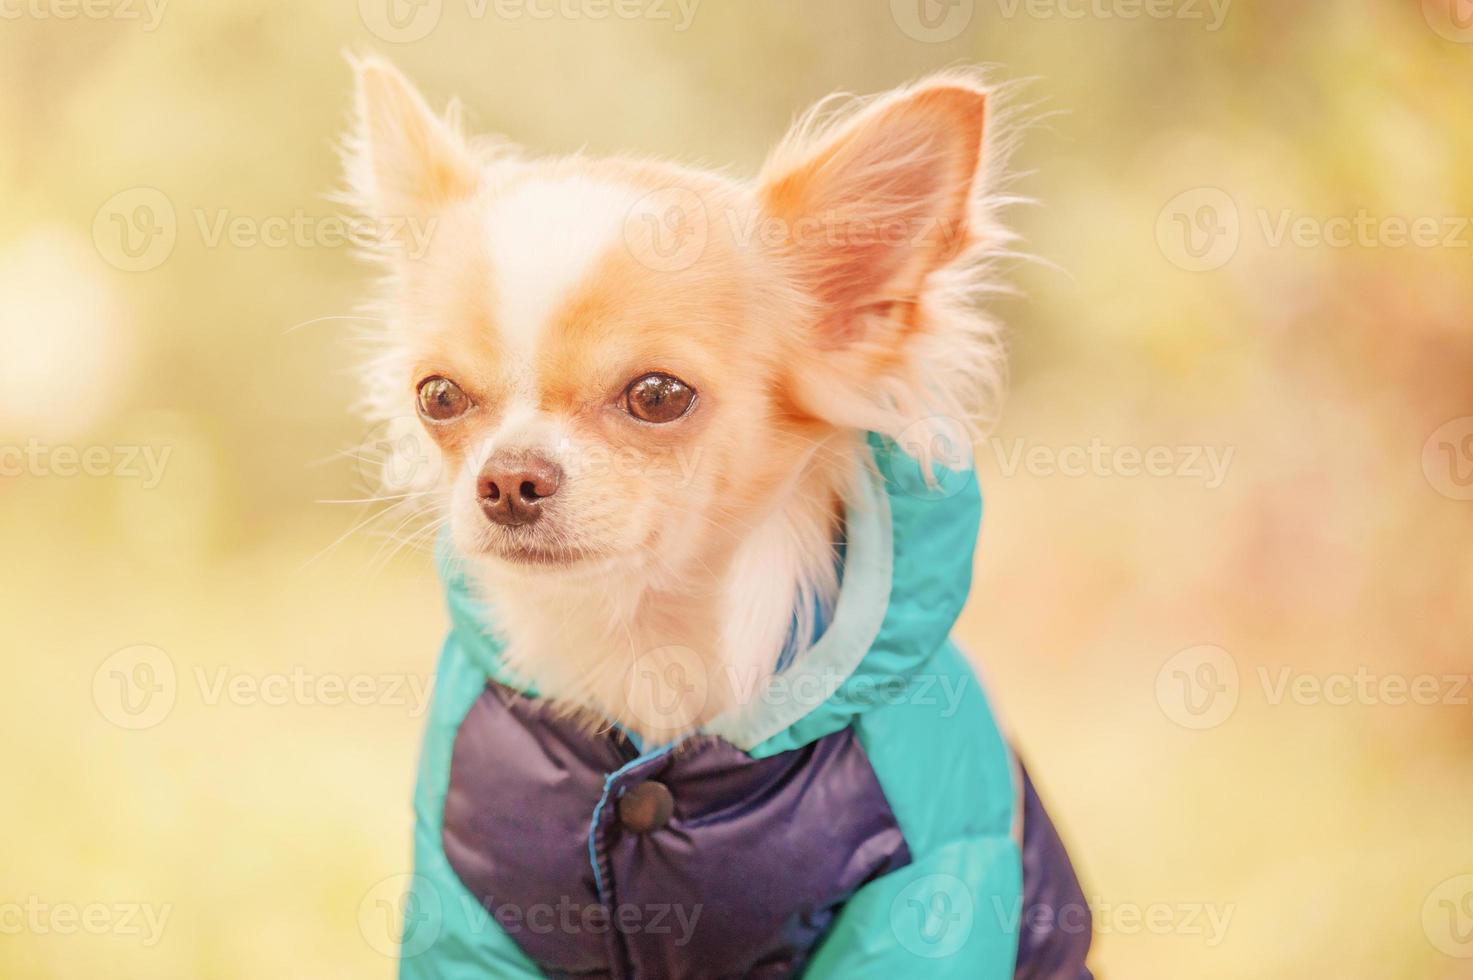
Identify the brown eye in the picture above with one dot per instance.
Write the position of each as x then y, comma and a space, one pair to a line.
441, 399
659, 398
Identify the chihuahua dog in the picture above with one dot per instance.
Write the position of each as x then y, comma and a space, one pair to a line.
671, 411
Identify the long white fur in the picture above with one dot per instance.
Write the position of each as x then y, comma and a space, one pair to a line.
542, 240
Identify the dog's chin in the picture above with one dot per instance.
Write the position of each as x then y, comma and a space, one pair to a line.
530, 558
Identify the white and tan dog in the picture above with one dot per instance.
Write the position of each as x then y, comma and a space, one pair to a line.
702, 572
650, 385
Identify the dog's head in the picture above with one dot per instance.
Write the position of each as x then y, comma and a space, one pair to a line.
625, 365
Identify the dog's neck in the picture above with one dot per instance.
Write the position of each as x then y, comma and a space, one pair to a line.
661, 659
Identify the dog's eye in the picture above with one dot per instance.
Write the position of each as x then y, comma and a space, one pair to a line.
441, 399
658, 398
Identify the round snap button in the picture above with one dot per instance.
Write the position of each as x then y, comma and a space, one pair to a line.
646, 807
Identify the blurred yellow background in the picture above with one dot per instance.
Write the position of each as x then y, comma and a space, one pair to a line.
1223, 592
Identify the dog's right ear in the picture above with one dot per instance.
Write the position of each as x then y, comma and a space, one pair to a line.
402, 160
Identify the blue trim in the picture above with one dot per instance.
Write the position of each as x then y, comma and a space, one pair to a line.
609, 779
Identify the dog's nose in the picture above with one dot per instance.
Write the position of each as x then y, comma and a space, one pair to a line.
512, 486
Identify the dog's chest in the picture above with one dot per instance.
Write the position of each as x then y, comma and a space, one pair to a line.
703, 862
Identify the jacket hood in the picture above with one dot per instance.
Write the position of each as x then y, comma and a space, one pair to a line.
907, 571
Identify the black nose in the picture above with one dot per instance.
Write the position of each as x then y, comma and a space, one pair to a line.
512, 487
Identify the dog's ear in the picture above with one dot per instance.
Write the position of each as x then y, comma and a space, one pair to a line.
870, 209
403, 160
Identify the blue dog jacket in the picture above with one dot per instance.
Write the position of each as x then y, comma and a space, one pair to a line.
878, 826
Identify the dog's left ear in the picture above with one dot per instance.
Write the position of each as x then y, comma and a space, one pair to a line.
870, 211
403, 160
